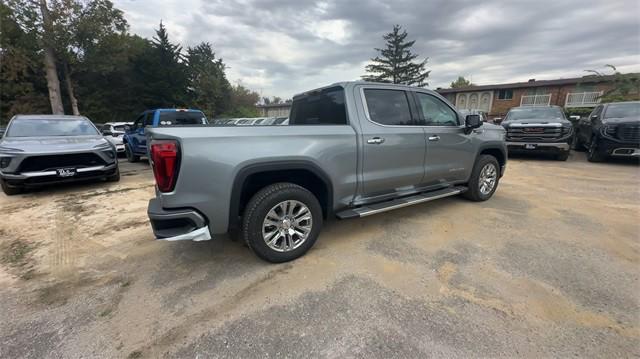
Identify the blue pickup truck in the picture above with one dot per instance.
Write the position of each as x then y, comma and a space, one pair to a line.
135, 139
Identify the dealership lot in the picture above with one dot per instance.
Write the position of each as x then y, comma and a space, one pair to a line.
550, 266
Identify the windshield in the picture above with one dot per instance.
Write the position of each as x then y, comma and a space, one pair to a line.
51, 127
173, 118
622, 110
548, 113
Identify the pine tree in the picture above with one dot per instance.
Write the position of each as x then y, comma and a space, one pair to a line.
395, 63
460, 82
209, 88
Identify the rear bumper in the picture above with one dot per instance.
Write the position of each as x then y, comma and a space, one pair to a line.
543, 147
38, 178
177, 224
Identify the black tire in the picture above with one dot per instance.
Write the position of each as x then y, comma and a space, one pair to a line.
9, 190
577, 144
562, 156
593, 155
258, 208
114, 177
131, 157
473, 193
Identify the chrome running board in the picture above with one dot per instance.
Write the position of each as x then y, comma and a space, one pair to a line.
368, 210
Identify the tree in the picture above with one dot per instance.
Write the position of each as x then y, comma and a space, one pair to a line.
242, 102
625, 86
51, 71
461, 82
209, 88
395, 63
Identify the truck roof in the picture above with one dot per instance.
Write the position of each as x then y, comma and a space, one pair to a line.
50, 117
346, 84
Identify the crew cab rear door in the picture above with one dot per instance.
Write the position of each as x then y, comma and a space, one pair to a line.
450, 151
393, 147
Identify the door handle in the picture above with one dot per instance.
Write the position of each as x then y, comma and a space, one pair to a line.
434, 138
375, 140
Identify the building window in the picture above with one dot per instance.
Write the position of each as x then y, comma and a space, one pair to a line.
505, 94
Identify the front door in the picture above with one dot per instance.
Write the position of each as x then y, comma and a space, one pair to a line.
140, 138
393, 147
450, 152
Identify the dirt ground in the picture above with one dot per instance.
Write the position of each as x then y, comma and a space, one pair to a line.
549, 267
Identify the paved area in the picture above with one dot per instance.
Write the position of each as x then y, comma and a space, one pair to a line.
549, 267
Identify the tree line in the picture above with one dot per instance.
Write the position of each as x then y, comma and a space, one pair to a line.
78, 57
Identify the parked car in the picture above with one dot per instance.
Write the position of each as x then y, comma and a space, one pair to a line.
2, 129
45, 149
351, 149
612, 129
539, 129
114, 133
135, 138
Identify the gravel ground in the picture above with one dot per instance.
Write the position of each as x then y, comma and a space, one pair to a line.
549, 267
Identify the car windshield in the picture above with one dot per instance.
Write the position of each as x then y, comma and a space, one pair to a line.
119, 128
622, 110
51, 127
173, 118
534, 113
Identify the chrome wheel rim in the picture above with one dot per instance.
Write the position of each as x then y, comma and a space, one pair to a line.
488, 178
287, 226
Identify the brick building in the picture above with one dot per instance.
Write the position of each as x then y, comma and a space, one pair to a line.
274, 109
496, 100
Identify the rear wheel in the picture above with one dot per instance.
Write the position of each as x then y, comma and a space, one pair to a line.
282, 222
131, 157
484, 179
9, 190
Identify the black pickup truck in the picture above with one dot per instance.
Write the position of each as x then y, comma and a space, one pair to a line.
612, 129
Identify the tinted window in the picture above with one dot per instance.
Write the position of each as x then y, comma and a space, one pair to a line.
324, 107
388, 107
622, 110
51, 127
552, 113
173, 118
436, 112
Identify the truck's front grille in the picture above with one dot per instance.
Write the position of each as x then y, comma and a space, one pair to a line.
51, 162
537, 133
625, 132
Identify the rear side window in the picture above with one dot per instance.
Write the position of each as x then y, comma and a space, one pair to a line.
388, 107
178, 118
325, 107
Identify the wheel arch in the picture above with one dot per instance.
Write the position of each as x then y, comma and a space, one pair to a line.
251, 178
498, 152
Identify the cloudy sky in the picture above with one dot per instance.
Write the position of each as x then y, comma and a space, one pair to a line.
282, 47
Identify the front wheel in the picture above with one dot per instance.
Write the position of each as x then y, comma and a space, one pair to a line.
9, 190
595, 155
131, 157
484, 179
562, 156
282, 222
114, 177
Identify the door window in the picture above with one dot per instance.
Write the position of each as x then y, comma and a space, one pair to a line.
148, 119
138, 122
388, 107
435, 112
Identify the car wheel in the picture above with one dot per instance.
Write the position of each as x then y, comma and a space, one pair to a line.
594, 155
282, 222
131, 157
9, 190
114, 177
562, 156
484, 179
577, 144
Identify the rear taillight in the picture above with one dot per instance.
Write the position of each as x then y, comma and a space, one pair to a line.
164, 159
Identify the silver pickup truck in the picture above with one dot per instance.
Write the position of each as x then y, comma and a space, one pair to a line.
351, 149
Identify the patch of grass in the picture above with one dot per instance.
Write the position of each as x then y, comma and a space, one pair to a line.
125, 284
16, 252
135, 354
105, 312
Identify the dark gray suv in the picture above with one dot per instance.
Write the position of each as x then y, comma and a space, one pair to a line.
44, 149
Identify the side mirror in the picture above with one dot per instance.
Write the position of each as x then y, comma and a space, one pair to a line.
471, 122
497, 120
594, 117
